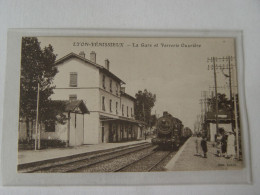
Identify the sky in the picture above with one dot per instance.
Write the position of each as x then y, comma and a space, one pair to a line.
167, 67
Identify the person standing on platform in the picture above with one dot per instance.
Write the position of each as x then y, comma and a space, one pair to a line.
224, 144
197, 145
218, 144
231, 145
204, 147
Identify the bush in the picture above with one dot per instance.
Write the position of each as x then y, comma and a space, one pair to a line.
53, 143
45, 143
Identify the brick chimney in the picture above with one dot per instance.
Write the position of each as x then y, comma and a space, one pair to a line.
93, 56
82, 54
123, 89
107, 64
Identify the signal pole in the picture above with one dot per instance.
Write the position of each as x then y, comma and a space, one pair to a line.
216, 93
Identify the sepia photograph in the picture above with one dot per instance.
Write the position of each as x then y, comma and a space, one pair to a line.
128, 104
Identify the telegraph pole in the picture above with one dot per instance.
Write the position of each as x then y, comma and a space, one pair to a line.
230, 91
216, 93
37, 117
236, 121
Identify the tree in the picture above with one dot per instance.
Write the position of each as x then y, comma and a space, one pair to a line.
153, 120
144, 103
37, 66
224, 104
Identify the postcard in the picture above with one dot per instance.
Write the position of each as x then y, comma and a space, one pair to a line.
92, 104
163, 105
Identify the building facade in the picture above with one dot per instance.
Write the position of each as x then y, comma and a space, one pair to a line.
224, 121
71, 132
111, 117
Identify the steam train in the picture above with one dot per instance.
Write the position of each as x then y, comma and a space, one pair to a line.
170, 133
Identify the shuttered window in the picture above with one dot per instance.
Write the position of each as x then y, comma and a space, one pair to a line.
73, 79
111, 85
116, 89
103, 103
73, 97
104, 82
110, 105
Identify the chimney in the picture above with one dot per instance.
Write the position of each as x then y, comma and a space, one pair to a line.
82, 54
107, 64
93, 56
165, 113
123, 89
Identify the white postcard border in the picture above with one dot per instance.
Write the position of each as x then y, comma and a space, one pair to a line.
11, 113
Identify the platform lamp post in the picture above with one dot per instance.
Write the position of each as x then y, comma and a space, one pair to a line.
37, 119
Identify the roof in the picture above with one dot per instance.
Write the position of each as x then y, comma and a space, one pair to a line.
101, 68
120, 118
128, 96
73, 106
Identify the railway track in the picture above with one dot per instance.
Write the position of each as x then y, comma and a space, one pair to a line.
109, 164
146, 163
80, 161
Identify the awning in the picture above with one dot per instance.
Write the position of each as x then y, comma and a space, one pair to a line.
104, 118
128, 120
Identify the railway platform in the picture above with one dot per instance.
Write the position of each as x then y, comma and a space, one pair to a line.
32, 156
186, 160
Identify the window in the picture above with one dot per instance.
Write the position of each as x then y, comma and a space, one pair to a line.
75, 120
116, 89
116, 107
127, 111
131, 112
122, 109
104, 82
73, 79
110, 105
111, 85
50, 126
103, 103
73, 97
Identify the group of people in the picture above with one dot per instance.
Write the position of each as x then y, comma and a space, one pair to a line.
225, 144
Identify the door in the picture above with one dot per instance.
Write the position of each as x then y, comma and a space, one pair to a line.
79, 129
76, 130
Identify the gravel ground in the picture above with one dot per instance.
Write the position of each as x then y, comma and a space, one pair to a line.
47, 165
161, 165
81, 162
145, 164
111, 165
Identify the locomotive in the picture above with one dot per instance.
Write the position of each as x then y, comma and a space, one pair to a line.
170, 132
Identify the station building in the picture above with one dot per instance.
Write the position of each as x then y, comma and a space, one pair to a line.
111, 109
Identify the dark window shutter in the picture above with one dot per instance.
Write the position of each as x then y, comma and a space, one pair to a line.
73, 79
73, 97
